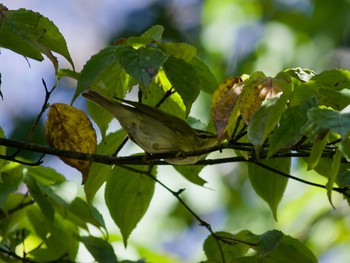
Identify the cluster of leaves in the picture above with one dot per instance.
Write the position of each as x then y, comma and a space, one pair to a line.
266, 120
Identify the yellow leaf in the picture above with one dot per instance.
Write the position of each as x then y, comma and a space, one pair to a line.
223, 103
256, 90
68, 128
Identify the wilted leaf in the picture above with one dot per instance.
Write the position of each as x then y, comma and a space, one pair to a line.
68, 128
224, 106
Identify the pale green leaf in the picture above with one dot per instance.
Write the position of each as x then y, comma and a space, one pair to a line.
182, 51
333, 174
128, 195
269, 185
155, 32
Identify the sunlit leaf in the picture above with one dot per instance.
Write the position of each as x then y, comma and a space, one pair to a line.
301, 74
184, 80
68, 128
128, 195
142, 63
269, 185
179, 50
266, 118
155, 32
31, 34
223, 104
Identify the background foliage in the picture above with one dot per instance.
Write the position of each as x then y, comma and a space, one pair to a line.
236, 37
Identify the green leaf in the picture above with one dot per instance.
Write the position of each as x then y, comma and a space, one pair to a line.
155, 32
289, 131
143, 63
344, 148
333, 174
100, 249
182, 51
59, 237
45, 175
12, 177
100, 172
274, 246
266, 118
30, 34
317, 149
208, 82
191, 173
230, 249
2, 148
128, 195
269, 185
96, 65
301, 74
333, 88
67, 73
323, 119
184, 80
85, 213
39, 197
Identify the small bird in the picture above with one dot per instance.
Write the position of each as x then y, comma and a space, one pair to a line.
154, 130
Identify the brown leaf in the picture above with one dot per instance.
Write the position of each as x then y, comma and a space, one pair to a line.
253, 95
68, 128
223, 102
